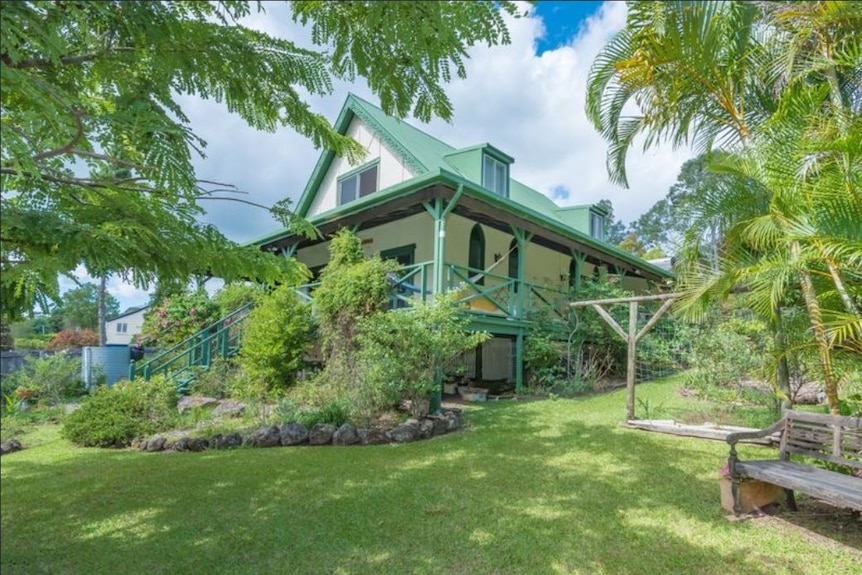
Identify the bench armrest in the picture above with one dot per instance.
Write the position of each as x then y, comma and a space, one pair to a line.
734, 438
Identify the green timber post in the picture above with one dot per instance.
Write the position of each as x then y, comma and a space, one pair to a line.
523, 238
579, 259
439, 210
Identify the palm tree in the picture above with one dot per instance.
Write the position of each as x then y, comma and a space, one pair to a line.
775, 87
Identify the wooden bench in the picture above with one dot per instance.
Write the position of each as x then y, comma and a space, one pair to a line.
831, 438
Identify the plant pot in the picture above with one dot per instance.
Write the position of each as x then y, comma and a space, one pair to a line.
753, 494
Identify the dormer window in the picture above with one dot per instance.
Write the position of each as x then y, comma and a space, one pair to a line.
357, 183
597, 226
495, 176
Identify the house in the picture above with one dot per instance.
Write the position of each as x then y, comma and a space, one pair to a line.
455, 219
121, 329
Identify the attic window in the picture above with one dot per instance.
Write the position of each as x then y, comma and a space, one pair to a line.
597, 226
495, 176
357, 184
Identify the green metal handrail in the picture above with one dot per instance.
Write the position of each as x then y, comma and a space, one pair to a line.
221, 338
503, 292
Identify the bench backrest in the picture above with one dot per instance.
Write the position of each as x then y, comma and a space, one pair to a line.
833, 438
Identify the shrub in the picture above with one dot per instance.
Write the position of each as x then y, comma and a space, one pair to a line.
334, 412
400, 352
351, 287
71, 339
113, 416
51, 379
218, 380
235, 295
34, 342
725, 353
178, 317
277, 334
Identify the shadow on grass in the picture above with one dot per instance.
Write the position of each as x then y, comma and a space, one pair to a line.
521, 492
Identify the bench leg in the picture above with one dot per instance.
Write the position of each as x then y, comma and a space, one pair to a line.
791, 499
734, 489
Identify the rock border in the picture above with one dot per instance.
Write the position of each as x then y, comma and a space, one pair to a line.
293, 434
10, 446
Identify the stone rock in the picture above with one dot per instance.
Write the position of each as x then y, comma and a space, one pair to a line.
182, 444
373, 436
440, 425
267, 437
345, 435
229, 441
197, 444
190, 402
405, 433
139, 443
808, 394
156, 443
426, 429
293, 434
10, 446
321, 434
453, 420
229, 408
232, 440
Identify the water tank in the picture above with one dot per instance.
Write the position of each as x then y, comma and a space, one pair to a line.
112, 361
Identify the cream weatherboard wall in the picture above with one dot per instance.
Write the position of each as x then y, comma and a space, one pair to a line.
417, 229
121, 330
390, 171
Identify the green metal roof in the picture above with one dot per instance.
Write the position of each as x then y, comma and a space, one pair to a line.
426, 156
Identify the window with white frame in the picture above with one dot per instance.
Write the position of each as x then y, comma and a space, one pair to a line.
495, 176
597, 226
357, 185
122, 328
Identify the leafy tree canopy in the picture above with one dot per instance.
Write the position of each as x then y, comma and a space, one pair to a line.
94, 87
615, 230
80, 307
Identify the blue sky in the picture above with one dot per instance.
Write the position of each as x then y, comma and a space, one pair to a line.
526, 98
562, 21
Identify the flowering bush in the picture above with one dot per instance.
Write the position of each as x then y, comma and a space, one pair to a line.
177, 318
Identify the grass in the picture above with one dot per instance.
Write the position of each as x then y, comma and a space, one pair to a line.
541, 487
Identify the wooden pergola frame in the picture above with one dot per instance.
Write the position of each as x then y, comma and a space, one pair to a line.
633, 336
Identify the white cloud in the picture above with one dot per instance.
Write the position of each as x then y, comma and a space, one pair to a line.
530, 106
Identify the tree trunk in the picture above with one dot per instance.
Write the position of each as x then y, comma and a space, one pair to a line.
103, 335
830, 382
782, 371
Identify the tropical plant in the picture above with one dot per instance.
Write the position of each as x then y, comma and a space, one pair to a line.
776, 88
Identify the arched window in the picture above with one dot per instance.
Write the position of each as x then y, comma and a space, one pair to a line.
513, 262
476, 255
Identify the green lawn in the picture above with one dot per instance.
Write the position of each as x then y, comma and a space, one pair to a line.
541, 487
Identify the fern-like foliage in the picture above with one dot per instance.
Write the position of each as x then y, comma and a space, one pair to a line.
94, 87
